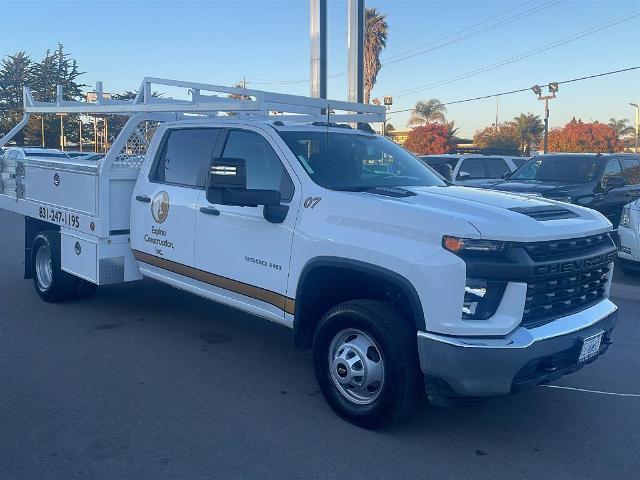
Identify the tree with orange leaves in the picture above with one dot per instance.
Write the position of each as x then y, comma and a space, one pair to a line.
577, 136
429, 139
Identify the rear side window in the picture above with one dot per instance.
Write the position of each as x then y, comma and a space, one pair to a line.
264, 168
613, 170
431, 161
631, 170
471, 168
185, 157
496, 167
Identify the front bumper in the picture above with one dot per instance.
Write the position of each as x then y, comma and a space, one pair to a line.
482, 367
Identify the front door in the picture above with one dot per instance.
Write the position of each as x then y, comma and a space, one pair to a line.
610, 201
164, 203
242, 252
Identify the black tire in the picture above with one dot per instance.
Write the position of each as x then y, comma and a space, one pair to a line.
84, 289
62, 285
397, 346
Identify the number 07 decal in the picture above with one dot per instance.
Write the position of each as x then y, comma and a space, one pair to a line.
311, 202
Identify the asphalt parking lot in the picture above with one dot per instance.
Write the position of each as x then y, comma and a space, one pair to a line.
147, 382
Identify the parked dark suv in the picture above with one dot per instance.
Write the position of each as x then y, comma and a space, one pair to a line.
603, 182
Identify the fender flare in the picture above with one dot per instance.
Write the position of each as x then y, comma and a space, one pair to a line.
364, 267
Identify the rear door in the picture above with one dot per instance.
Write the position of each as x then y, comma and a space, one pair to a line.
241, 252
164, 202
631, 171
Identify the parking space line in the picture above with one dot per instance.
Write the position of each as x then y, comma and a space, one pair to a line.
593, 391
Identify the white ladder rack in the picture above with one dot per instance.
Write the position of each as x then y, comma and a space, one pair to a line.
255, 104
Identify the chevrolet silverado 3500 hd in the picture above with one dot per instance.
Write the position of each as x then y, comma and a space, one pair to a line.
399, 281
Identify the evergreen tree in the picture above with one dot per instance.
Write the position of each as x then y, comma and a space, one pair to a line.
15, 72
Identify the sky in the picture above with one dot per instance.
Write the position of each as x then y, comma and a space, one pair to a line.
267, 42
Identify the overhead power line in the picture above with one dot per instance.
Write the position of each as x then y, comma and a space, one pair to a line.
521, 56
455, 38
452, 38
510, 92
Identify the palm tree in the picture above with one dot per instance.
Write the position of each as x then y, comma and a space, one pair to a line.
451, 127
620, 127
375, 38
528, 127
426, 111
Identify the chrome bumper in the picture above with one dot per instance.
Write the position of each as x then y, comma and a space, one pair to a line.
481, 367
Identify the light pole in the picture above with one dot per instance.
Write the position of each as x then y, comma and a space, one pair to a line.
635, 105
42, 129
553, 88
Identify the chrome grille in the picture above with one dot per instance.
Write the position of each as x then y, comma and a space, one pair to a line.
564, 294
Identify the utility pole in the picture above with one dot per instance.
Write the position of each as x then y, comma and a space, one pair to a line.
553, 89
318, 33
42, 129
497, 104
635, 105
355, 39
80, 134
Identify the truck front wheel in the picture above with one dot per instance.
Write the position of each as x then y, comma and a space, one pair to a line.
366, 363
50, 282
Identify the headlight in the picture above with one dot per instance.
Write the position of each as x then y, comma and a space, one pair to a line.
625, 219
473, 245
481, 298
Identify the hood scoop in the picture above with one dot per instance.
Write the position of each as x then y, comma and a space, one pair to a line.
545, 213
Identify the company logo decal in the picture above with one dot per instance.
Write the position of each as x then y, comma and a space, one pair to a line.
56, 179
160, 206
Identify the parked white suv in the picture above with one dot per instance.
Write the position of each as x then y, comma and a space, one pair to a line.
472, 170
629, 238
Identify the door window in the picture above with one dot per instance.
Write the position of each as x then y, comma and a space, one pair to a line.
613, 170
185, 157
264, 168
631, 170
496, 167
471, 168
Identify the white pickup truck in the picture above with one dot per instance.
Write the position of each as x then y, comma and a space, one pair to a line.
400, 282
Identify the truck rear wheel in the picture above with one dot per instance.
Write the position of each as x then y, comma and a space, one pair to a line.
50, 282
366, 363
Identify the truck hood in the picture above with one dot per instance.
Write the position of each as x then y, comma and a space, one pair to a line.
546, 189
507, 216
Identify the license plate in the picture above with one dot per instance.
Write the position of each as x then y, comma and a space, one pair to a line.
590, 347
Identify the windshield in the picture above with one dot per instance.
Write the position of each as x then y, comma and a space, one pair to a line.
347, 161
572, 169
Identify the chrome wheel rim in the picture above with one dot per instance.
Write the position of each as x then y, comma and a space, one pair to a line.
44, 269
356, 366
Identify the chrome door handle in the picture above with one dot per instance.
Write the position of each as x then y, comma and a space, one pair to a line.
210, 211
143, 198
